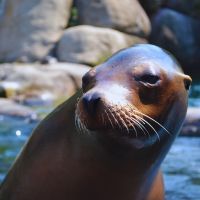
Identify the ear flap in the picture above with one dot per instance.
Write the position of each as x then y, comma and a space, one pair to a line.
187, 81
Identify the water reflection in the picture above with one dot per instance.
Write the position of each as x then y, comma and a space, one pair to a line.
13, 134
194, 99
182, 170
18, 133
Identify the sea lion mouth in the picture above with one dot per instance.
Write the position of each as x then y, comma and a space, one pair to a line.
122, 121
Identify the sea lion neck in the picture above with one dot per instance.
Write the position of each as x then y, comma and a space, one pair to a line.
113, 166
124, 151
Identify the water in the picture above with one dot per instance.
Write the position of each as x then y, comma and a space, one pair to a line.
182, 170
181, 167
194, 99
13, 134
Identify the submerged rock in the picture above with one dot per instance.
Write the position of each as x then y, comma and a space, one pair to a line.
191, 126
30, 29
91, 45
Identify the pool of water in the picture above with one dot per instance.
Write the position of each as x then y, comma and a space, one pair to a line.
194, 99
13, 134
182, 170
181, 166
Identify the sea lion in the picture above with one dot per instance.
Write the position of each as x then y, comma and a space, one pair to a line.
111, 144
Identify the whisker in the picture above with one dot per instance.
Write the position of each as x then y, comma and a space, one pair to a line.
142, 127
122, 120
150, 127
136, 110
114, 118
154, 121
138, 123
102, 118
80, 125
109, 119
77, 122
130, 120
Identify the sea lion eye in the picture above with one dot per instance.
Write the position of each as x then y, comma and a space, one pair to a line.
149, 78
87, 80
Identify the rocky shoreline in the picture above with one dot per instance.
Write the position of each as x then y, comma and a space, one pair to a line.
89, 31
24, 86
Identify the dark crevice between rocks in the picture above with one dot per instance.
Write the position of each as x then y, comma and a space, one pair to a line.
73, 20
3, 92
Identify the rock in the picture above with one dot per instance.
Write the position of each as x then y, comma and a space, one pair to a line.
126, 16
49, 60
91, 45
36, 84
152, 6
188, 7
178, 34
191, 126
10, 108
30, 29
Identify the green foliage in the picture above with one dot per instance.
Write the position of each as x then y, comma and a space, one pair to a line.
102, 58
73, 21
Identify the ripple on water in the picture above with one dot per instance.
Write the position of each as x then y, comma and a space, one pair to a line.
194, 99
13, 134
182, 170
181, 166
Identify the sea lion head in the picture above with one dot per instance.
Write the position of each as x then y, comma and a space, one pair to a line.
139, 93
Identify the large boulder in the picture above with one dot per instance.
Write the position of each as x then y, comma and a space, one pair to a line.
126, 16
91, 45
11, 108
35, 83
29, 29
179, 34
190, 7
151, 6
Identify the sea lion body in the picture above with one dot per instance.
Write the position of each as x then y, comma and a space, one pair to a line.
111, 144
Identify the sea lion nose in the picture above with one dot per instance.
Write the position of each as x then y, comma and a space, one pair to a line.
91, 102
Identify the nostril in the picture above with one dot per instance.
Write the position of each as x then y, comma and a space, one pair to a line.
91, 102
96, 98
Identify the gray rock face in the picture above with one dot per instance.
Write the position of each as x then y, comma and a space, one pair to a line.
179, 34
92, 45
10, 108
29, 29
126, 16
35, 83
